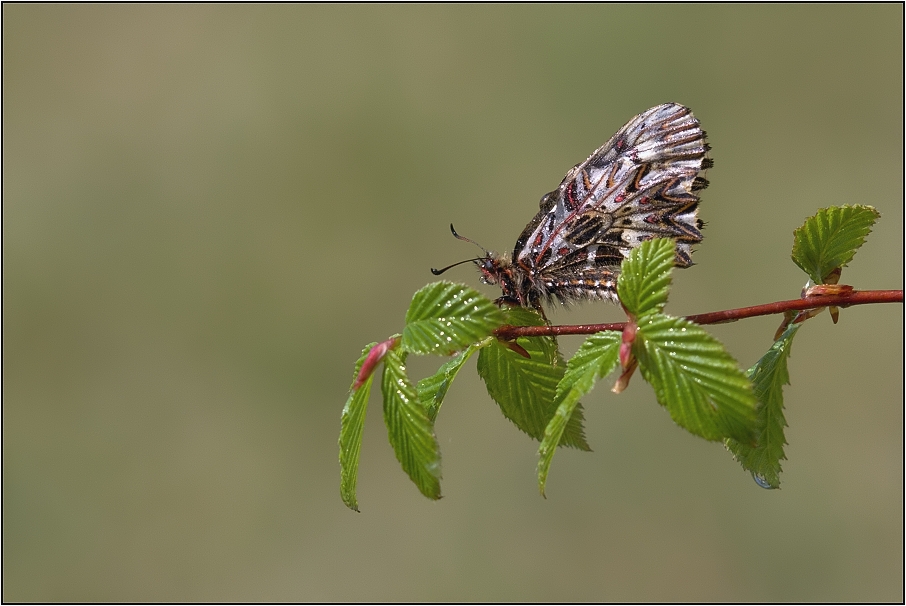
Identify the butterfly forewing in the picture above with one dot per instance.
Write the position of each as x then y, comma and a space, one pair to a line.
641, 184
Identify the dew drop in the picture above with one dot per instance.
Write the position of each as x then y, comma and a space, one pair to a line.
761, 481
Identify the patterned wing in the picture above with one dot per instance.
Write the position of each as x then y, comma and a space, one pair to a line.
641, 184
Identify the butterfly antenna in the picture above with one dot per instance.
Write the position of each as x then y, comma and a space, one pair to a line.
437, 272
464, 239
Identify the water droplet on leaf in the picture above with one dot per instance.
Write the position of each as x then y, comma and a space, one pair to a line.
761, 481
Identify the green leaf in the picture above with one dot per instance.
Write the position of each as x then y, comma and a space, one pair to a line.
645, 277
596, 358
444, 318
352, 422
768, 376
522, 316
433, 389
525, 387
411, 433
829, 239
695, 379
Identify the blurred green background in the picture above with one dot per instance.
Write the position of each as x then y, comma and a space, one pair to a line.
209, 210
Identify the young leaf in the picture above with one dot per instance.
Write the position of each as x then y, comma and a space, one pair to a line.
352, 422
433, 389
574, 432
768, 376
596, 358
645, 277
695, 379
375, 356
444, 318
525, 387
411, 433
828, 240
522, 316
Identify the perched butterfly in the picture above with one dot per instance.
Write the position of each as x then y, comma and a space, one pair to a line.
640, 185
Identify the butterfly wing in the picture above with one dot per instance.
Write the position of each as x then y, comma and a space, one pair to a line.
639, 185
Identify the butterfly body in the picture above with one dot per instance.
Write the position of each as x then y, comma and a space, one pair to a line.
641, 184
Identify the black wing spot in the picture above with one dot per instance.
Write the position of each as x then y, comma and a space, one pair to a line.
608, 256
585, 229
613, 235
699, 183
707, 163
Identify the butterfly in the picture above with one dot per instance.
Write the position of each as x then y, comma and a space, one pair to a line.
641, 184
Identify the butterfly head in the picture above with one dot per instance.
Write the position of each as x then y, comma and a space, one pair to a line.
496, 270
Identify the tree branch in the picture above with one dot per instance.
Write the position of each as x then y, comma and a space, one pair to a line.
855, 297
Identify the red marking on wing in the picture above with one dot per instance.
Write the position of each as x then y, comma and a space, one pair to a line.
570, 199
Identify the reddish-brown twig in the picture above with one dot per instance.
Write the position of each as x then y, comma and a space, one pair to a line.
856, 297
